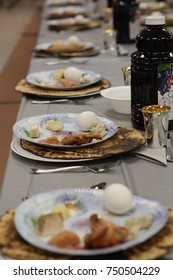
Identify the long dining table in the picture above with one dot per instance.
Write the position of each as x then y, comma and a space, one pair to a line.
142, 177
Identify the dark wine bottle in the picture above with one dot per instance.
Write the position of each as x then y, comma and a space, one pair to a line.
151, 68
126, 20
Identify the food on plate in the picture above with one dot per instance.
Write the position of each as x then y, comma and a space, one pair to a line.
99, 127
58, 75
51, 140
136, 223
80, 138
118, 199
72, 139
65, 239
72, 73
73, 40
54, 125
67, 83
104, 234
72, 43
62, 210
79, 18
49, 224
34, 130
86, 119
70, 77
86, 79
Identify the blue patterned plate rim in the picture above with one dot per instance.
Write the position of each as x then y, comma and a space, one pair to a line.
87, 203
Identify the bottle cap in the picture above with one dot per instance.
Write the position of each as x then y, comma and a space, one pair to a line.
155, 20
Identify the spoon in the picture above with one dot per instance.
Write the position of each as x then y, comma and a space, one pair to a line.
99, 186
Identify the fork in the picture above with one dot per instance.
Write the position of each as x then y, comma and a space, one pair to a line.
79, 168
65, 100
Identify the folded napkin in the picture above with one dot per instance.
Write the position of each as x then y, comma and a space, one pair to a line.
154, 155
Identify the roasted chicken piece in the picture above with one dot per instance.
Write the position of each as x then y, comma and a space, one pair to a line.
104, 234
80, 138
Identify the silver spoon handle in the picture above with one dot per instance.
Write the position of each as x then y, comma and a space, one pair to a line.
51, 101
60, 169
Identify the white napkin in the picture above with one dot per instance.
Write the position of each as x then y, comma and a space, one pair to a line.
154, 155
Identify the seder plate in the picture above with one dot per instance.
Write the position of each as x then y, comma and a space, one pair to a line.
21, 129
124, 140
45, 79
85, 203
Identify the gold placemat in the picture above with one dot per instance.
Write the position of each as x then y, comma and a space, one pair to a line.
78, 26
13, 246
124, 140
24, 87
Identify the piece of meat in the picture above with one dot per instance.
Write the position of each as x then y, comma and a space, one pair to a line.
69, 83
65, 239
79, 139
51, 140
104, 234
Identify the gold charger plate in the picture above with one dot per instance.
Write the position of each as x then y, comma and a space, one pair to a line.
14, 247
24, 87
124, 140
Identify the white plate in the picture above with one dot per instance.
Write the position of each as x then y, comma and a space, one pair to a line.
17, 149
85, 204
22, 128
40, 78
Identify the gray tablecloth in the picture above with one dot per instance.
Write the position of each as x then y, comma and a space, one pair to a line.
144, 178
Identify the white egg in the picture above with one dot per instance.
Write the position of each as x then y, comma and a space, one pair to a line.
79, 18
73, 73
86, 119
73, 40
118, 199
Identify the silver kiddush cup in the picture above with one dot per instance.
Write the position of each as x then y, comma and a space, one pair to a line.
126, 75
156, 125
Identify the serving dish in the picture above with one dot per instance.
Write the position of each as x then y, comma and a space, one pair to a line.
119, 98
123, 141
45, 79
85, 203
21, 129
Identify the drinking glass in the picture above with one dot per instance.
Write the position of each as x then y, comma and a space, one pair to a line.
156, 125
126, 75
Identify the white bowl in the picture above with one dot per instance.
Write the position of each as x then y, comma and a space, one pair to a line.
119, 98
